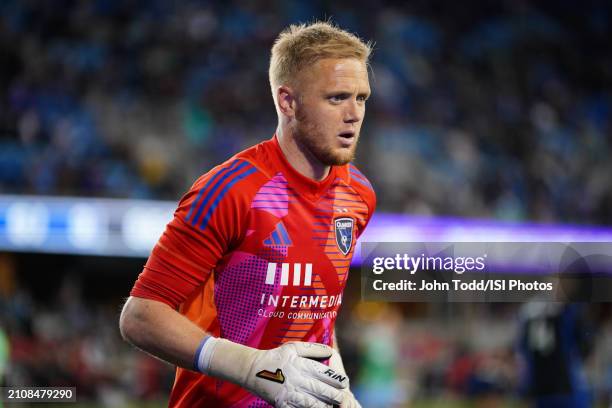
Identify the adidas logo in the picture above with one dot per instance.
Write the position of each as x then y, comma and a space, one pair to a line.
279, 236
284, 278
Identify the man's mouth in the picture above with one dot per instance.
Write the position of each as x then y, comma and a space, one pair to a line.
349, 134
347, 138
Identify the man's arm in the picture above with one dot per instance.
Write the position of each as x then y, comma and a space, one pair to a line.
161, 331
287, 376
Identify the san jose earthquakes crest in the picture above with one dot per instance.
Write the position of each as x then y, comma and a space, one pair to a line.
344, 233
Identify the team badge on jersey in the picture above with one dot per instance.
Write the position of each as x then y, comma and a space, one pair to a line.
344, 233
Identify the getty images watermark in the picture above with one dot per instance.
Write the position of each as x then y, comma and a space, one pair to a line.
486, 272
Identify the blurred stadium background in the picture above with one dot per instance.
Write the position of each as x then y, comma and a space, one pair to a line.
109, 109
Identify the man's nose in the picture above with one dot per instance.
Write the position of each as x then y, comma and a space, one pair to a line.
353, 112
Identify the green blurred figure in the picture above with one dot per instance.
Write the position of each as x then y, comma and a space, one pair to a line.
378, 382
4, 356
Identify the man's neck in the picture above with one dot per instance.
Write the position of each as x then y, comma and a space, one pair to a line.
299, 157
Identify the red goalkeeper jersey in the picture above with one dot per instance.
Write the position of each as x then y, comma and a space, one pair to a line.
258, 254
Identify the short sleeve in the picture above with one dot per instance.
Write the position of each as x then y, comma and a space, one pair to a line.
206, 224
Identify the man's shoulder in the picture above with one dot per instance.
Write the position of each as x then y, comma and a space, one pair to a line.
359, 182
259, 156
242, 173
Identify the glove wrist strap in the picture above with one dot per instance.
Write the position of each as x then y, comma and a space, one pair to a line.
203, 355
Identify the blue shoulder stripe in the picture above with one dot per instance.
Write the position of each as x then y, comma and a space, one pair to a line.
250, 169
364, 183
231, 170
360, 178
355, 171
205, 188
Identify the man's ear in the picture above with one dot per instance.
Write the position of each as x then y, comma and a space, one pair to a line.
287, 99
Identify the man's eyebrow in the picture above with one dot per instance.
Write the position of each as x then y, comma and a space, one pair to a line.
347, 91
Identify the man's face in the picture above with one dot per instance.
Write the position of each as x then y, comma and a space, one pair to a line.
330, 107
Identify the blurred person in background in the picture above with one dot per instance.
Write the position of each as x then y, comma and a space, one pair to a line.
4, 354
242, 290
6, 287
556, 338
554, 341
379, 385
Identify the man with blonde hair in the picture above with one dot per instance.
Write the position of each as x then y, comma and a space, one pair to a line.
243, 288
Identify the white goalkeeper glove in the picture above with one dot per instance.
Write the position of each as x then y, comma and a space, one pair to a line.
286, 377
348, 400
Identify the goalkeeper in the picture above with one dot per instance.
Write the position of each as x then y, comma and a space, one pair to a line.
243, 288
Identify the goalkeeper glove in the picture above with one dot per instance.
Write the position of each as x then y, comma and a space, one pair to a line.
286, 377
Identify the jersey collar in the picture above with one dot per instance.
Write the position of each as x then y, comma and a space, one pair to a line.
310, 187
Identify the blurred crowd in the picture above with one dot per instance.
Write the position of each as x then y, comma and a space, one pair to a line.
397, 355
60, 338
480, 109
68, 343
477, 355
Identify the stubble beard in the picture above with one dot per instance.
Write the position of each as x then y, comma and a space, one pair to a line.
311, 138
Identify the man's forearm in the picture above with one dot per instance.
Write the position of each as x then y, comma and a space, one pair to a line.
161, 331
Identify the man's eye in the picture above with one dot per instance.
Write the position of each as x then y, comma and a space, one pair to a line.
338, 98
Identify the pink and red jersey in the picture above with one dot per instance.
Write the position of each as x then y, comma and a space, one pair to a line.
258, 254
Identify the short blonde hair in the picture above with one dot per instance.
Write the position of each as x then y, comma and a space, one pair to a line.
301, 45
